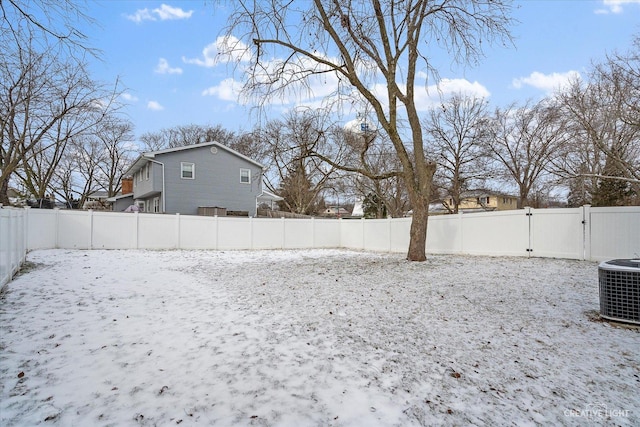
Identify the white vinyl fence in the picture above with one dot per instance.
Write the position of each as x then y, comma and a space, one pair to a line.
584, 233
13, 242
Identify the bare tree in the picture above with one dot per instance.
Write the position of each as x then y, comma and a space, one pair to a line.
183, 135
524, 140
359, 143
603, 120
457, 133
355, 43
292, 171
51, 22
46, 95
251, 145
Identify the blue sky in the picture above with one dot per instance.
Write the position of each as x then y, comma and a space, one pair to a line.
162, 51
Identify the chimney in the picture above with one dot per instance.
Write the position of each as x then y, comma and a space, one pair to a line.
127, 185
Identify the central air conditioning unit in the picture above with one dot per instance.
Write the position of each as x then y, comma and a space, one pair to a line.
620, 290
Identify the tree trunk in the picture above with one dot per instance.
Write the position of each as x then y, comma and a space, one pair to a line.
4, 191
420, 196
418, 234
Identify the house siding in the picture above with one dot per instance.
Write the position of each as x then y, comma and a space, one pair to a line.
216, 182
143, 187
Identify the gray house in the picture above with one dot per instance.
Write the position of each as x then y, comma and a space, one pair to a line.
195, 179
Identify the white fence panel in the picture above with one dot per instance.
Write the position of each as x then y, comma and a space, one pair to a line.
158, 231
234, 233
614, 232
444, 234
42, 229
268, 233
557, 233
352, 233
377, 235
198, 232
13, 246
74, 229
400, 229
327, 233
114, 230
6, 245
504, 233
298, 234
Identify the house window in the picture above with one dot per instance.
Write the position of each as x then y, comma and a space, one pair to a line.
187, 170
140, 204
146, 171
245, 176
156, 204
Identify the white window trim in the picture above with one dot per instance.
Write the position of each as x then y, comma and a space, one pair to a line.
248, 176
193, 170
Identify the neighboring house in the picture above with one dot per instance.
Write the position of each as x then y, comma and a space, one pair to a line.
267, 200
483, 200
98, 200
193, 179
336, 211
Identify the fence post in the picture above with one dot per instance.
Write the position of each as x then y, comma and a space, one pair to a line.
251, 232
313, 232
90, 212
57, 211
586, 232
284, 236
178, 246
26, 227
460, 234
137, 228
217, 228
529, 215
389, 228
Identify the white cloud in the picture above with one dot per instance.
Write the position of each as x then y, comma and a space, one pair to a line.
227, 90
166, 12
614, 6
164, 68
546, 82
450, 86
128, 97
163, 13
155, 106
224, 49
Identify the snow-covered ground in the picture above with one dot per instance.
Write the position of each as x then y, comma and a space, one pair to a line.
310, 338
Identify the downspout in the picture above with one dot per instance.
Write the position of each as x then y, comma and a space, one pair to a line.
163, 188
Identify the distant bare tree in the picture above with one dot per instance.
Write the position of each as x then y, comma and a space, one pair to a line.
371, 151
458, 133
603, 118
357, 43
292, 171
183, 135
251, 145
45, 102
50, 22
46, 95
524, 141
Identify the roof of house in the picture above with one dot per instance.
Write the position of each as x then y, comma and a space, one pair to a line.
482, 192
119, 197
144, 158
267, 196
